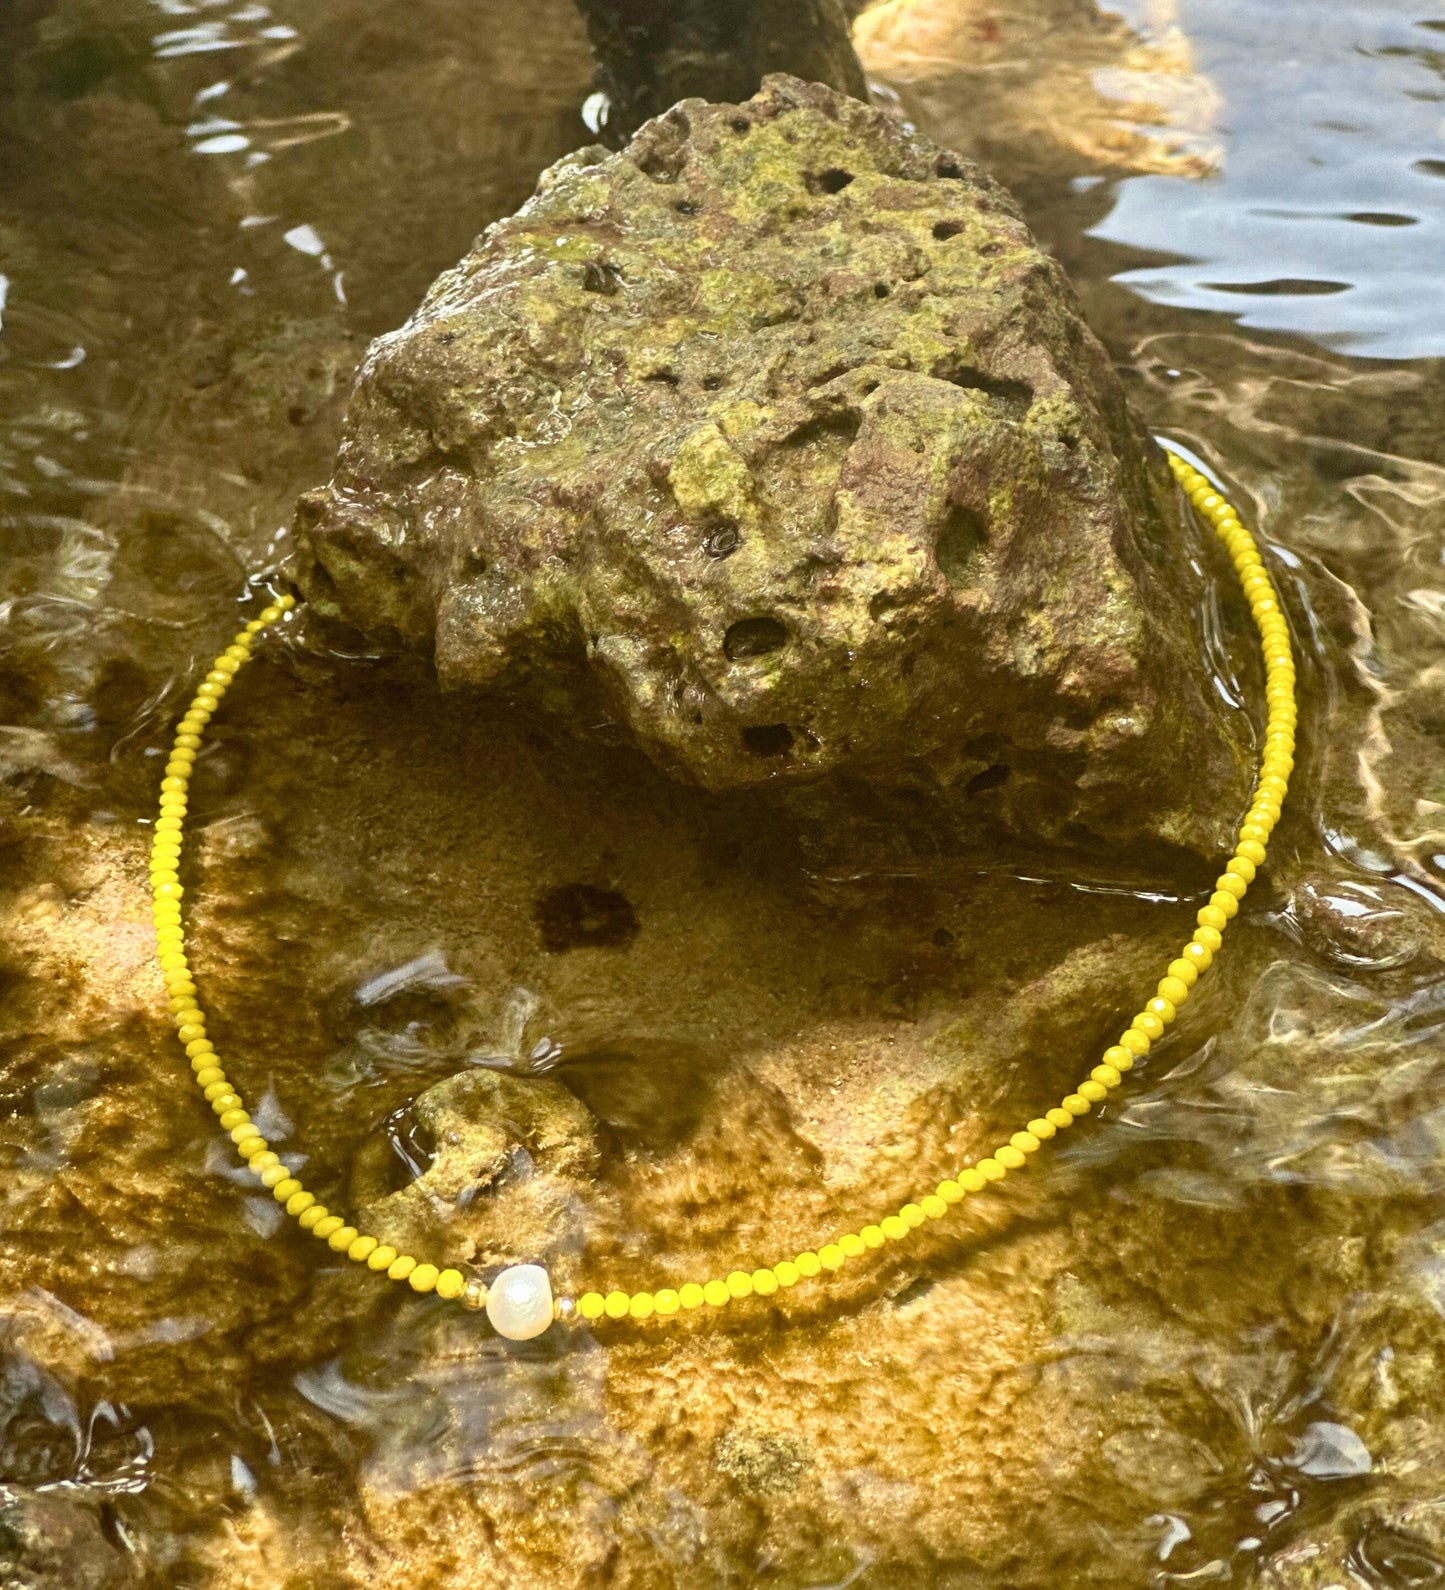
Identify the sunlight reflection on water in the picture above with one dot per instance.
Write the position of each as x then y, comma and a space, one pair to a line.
1325, 217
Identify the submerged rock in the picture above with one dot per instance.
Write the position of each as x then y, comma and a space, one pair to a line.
776, 440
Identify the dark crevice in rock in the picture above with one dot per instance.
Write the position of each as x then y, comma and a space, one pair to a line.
754, 637
582, 916
769, 739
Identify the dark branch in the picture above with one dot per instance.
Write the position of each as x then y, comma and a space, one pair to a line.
652, 53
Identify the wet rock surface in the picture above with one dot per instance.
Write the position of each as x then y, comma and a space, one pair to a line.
776, 445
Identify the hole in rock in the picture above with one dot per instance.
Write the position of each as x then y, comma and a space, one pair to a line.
881, 289
754, 637
723, 541
990, 778
948, 168
844, 423
833, 180
769, 739
959, 541
579, 916
943, 230
599, 276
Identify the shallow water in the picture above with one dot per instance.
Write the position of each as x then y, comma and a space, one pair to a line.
1200, 1348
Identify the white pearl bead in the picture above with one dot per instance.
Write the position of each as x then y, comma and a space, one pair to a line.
519, 1302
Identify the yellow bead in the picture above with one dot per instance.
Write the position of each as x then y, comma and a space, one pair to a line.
1223, 901
308, 1217
666, 1301
1209, 936
852, 1244
1174, 989
451, 1284
911, 1215
690, 1295
249, 1148
286, 1188
191, 1032
273, 1176
971, 1180
423, 1277
345, 1241
234, 1117
209, 1074
1198, 955
1026, 1142
1136, 1042
894, 1228
740, 1283
1058, 1118
400, 1267
991, 1170
1251, 850
1076, 1104
327, 1227
265, 1161
716, 1295
787, 1272
765, 1283
933, 1206
1106, 1075
380, 1257
640, 1305
591, 1305
1010, 1157
1211, 916
1094, 1092
617, 1305
808, 1265
1118, 1056
831, 1256
298, 1203
1149, 1024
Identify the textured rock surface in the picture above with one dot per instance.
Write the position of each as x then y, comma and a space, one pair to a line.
777, 441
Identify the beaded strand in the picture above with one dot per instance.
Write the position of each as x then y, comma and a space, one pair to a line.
529, 1282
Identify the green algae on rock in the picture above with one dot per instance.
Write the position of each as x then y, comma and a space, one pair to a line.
777, 440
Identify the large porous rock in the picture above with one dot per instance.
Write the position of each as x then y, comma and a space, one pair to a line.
777, 442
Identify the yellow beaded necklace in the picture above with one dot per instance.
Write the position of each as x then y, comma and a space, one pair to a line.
519, 1300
